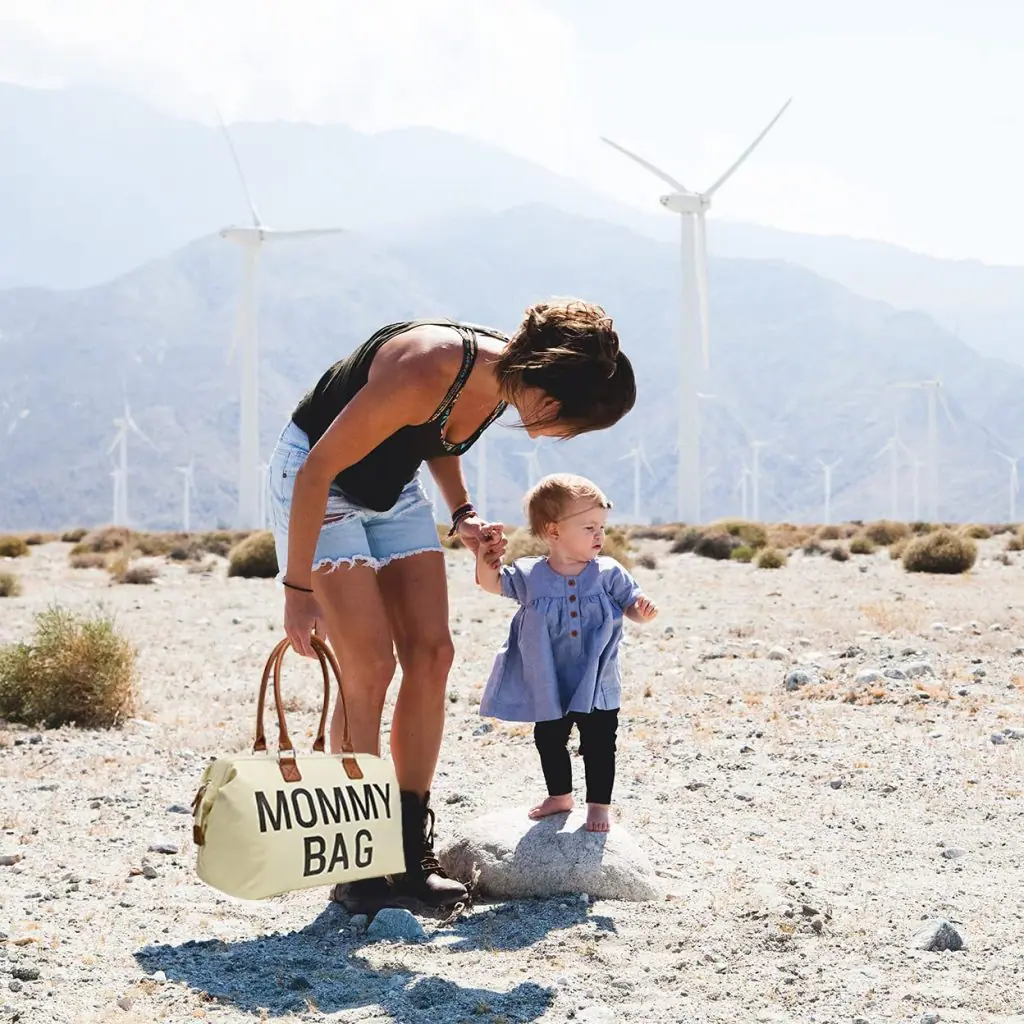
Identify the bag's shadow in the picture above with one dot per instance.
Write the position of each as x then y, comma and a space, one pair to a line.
320, 966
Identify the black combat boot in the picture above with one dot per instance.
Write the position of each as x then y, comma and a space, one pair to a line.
424, 878
366, 896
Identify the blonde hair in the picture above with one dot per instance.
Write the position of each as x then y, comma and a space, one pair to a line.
546, 502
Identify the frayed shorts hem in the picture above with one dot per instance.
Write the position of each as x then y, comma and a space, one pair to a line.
346, 562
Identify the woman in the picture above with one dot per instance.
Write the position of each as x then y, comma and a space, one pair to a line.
357, 544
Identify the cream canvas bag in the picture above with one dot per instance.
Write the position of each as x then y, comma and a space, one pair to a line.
265, 825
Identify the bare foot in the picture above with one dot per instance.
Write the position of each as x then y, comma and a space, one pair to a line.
598, 818
552, 805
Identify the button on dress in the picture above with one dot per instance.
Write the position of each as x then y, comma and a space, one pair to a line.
561, 654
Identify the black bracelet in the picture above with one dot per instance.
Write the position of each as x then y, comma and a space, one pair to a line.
462, 512
291, 586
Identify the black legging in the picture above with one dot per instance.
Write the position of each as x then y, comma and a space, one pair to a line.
597, 746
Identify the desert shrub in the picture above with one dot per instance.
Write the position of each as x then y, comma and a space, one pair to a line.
885, 531
787, 536
942, 551
862, 545
839, 554
12, 546
154, 544
220, 542
754, 535
662, 531
187, 550
616, 545
813, 547
10, 585
744, 553
897, 548
77, 670
35, 539
254, 557
1015, 543
830, 532
919, 528
770, 558
646, 560
998, 528
74, 535
87, 560
122, 570
686, 540
976, 531
523, 544
104, 540
716, 544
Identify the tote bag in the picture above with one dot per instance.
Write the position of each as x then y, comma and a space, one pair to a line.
265, 825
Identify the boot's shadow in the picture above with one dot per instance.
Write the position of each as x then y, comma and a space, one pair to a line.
320, 967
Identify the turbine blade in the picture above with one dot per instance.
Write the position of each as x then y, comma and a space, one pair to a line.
241, 173
708, 193
700, 261
275, 235
945, 407
656, 171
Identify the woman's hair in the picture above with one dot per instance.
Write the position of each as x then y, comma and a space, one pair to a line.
546, 502
569, 349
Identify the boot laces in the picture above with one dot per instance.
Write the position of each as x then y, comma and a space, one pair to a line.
428, 859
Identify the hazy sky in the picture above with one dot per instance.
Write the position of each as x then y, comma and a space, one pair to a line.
907, 123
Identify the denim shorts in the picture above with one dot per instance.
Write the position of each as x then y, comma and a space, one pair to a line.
350, 534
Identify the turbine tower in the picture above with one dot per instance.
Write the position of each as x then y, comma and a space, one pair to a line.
933, 388
695, 329
892, 446
246, 339
1014, 482
755, 476
639, 457
124, 424
532, 460
189, 481
827, 468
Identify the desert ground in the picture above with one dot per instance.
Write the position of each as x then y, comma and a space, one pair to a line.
803, 835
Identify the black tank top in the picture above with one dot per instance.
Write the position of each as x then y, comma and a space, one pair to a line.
376, 481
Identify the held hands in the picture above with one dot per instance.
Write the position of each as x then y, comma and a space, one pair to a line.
301, 618
644, 609
487, 541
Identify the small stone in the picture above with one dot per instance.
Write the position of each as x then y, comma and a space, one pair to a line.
483, 729
8, 860
35, 739
14, 986
179, 809
867, 676
917, 669
714, 654
818, 924
1013, 734
894, 673
695, 784
979, 673
836, 783
25, 973
937, 936
800, 677
148, 871
997, 738
938, 627
125, 1003
358, 923
168, 848
952, 853
396, 923
159, 977
962, 692
747, 798
930, 1018
668, 631
779, 654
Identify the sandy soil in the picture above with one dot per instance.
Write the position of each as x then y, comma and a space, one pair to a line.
802, 836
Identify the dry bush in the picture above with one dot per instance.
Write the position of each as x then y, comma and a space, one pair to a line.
87, 560
1015, 543
716, 544
685, 540
220, 542
830, 532
157, 544
187, 550
888, 616
523, 544
76, 670
104, 540
839, 554
646, 560
976, 531
255, 557
942, 551
770, 558
662, 531
862, 545
10, 585
754, 535
74, 535
998, 528
788, 536
207, 565
919, 528
12, 546
122, 570
616, 545
813, 547
743, 553
897, 547
885, 531
35, 539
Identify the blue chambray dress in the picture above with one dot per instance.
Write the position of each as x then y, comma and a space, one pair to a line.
562, 650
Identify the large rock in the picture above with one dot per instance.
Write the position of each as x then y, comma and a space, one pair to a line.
520, 858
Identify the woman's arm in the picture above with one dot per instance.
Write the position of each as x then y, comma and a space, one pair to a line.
473, 531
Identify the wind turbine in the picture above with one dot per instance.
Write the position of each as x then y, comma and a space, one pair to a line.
935, 395
189, 480
115, 474
892, 446
755, 474
246, 338
827, 468
124, 424
694, 321
741, 486
915, 464
1014, 482
639, 457
532, 460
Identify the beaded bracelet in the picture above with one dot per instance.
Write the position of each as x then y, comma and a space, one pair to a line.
462, 513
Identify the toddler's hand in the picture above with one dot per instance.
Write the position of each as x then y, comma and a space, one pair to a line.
493, 543
646, 609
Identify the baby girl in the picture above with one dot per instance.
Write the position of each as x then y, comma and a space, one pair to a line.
559, 666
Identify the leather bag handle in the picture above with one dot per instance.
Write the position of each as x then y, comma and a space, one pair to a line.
285, 749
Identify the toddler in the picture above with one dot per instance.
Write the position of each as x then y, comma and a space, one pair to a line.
559, 666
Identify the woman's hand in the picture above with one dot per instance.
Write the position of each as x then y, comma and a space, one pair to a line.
301, 618
476, 534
